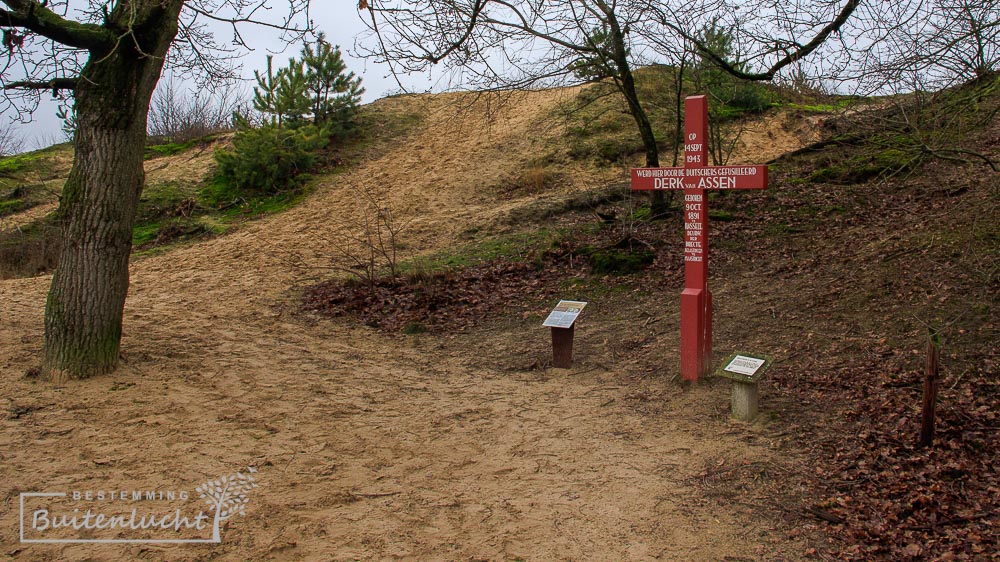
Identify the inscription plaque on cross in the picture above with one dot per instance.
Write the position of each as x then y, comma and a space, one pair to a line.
694, 179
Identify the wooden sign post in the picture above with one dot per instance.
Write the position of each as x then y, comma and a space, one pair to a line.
745, 371
561, 320
694, 178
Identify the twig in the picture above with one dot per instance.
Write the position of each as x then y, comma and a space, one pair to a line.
824, 515
954, 521
375, 495
901, 253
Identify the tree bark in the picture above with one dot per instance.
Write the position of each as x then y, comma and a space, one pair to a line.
658, 206
640, 117
626, 84
84, 308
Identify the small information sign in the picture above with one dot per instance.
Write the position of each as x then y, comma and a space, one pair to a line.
564, 314
744, 365
745, 371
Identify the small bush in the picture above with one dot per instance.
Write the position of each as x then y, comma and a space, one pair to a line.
536, 179
11, 206
22, 197
269, 159
878, 165
414, 328
752, 97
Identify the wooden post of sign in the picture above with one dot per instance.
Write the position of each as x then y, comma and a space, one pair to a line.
562, 321
745, 400
695, 299
930, 392
745, 371
562, 347
694, 179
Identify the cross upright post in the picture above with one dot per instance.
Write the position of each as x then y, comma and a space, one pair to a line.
696, 299
694, 179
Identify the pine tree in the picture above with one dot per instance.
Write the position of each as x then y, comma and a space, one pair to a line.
334, 95
284, 94
315, 85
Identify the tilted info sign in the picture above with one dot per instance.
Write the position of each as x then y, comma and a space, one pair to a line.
744, 365
694, 178
564, 314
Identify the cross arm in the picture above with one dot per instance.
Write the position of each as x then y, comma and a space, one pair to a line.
708, 177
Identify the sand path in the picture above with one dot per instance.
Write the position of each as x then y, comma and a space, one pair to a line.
368, 446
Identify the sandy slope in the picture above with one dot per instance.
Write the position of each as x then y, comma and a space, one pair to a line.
368, 446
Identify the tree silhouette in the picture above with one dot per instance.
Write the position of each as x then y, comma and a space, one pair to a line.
228, 496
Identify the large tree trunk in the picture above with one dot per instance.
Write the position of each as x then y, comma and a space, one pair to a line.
658, 206
83, 312
641, 119
626, 84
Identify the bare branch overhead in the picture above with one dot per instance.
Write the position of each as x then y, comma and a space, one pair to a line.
37, 18
55, 84
799, 53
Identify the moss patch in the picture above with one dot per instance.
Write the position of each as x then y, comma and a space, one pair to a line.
172, 148
621, 261
865, 167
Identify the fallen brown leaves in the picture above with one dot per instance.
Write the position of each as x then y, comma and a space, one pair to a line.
449, 300
840, 283
861, 288
896, 500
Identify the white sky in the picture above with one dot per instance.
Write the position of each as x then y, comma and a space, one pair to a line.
339, 20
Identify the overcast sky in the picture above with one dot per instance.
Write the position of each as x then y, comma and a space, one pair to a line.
339, 20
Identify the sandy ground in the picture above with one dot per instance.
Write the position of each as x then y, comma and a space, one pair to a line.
366, 445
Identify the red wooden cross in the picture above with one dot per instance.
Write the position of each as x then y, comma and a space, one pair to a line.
694, 178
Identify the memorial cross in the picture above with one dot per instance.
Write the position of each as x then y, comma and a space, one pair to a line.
694, 178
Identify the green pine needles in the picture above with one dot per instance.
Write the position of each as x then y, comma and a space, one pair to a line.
314, 88
304, 106
269, 159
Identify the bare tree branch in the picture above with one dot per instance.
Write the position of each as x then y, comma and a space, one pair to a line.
55, 84
33, 16
800, 52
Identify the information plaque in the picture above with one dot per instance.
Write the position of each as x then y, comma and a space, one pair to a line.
564, 314
744, 365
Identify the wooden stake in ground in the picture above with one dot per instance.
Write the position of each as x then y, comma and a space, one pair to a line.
930, 391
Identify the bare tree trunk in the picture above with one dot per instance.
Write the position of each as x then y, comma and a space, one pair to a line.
83, 315
658, 206
626, 84
640, 117
83, 312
